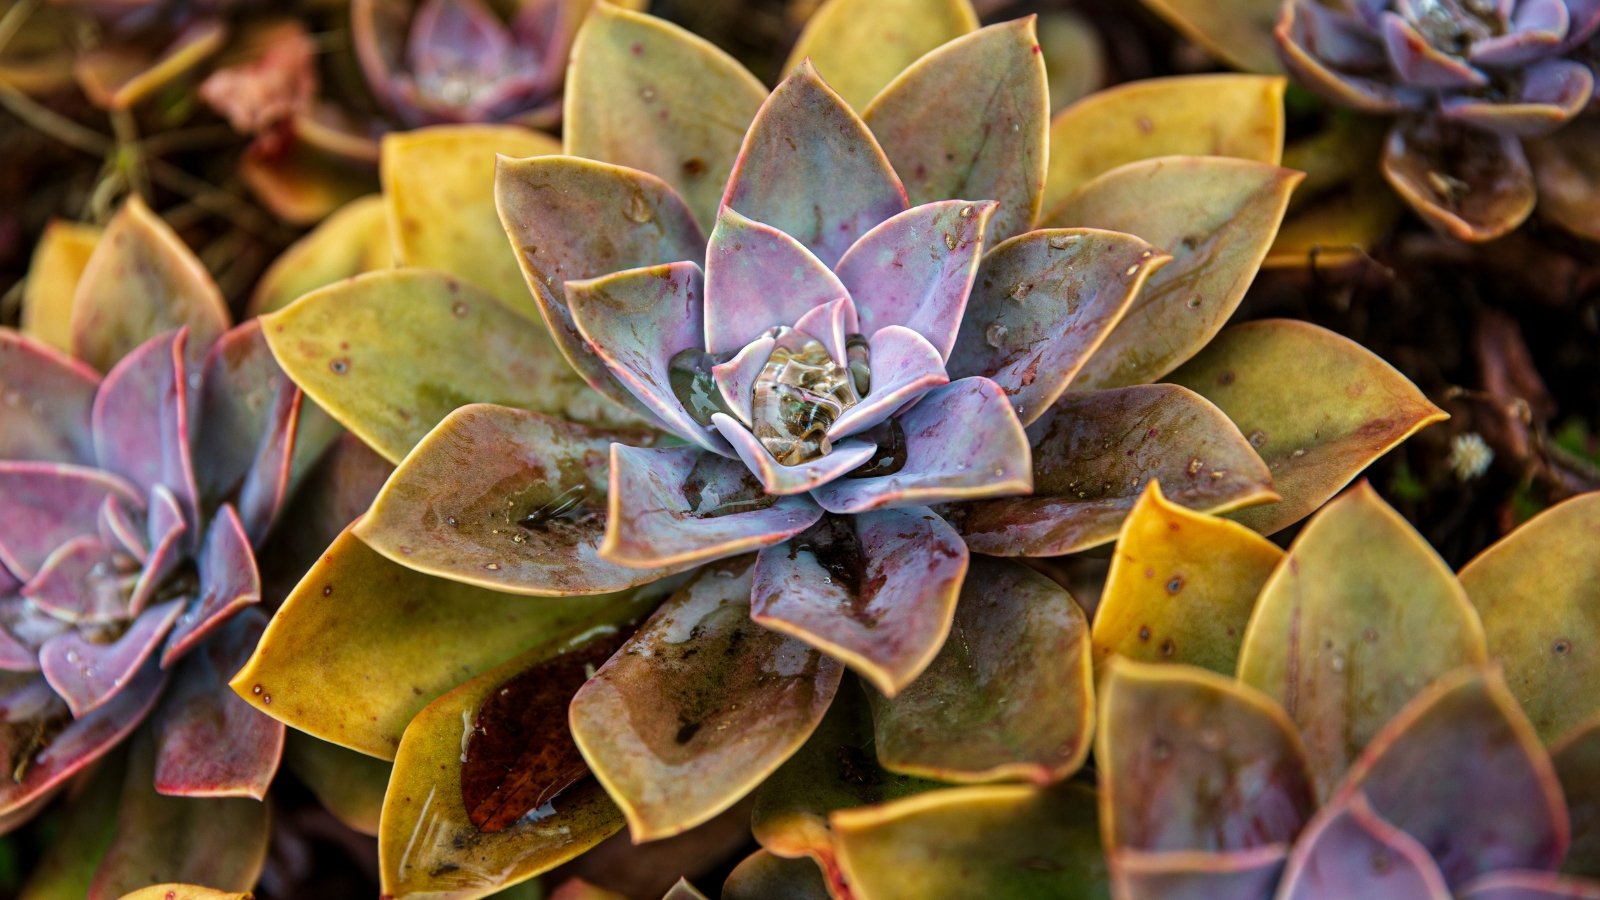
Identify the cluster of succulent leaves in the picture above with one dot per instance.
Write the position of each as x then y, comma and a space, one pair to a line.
589, 598
1492, 104
134, 502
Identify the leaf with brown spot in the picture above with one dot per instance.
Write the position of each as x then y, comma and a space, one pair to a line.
1343, 408
1181, 588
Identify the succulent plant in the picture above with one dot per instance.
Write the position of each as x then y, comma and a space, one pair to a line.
641, 446
128, 581
1391, 731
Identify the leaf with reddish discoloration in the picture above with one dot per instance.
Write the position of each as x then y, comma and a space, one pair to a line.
810, 167
1094, 452
1216, 216
644, 93
1042, 304
1011, 841
1181, 588
527, 517
1345, 408
570, 219
389, 354
142, 281
141, 420
1192, 761
1472, 184
859, 46
48, 397
89, 675
1549, 565
1011, 693
229, 582
362, 644
699, 706
972, 120
210, 743
1359, 617
876, 591
45, 505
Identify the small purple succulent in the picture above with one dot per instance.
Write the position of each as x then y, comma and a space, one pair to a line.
439, 61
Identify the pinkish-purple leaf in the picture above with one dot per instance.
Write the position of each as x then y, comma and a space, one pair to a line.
1239, 875
782, 480
228, 583
169, 542
810, 168
1530, 885
1419, 64
1042, 304
118, 529
1348, 850
1551, 94
266, 487
831, 323
636, 321
758, 277
44, 505
47, 396
82, 581
903, 367
962, 442
736, 378
1537, 27
1316, 43
209, 741
1472, 184
917, 268
876, 591
141, 419
677, 506
88, 675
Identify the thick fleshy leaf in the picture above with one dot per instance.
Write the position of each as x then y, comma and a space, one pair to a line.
141, 420
348, 784
82, 581
1008, 842
1216, 216
88, 675
1348, 850
175, 891
527, 516
87, 825
389, 354
1336, 229
1193, 761
229, 582
1568, 176
1548, 566
1010, 694
917, 269
353, 240
217, 841
903, 367
47, 397
781, 480
439, 184
766, 876
757, 278
44, 505
1359, 617
167, 534
1239, 875
142, 281
736, 378
1465, 730
637, 321
972, 119
859, 46
362, 644
209, 742
1308, 32
649, 95
1181, 588
810, 167
699, 706
1345, 408
571, 219
1164, 117
1042, 304
677, 506
1577, 761
1473, 185
80, 742
1093, 454
1238, 32
1525, 885
962, 442
53, 273
427, 844
1552, 92
875, 591
835, 769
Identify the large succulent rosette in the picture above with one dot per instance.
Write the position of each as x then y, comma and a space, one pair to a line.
1349, 719
1469, 80
803, 376
132, 504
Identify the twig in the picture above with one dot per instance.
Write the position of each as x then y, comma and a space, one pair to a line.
53, 124
14, 19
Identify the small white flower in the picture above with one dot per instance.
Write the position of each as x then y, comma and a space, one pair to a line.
1470, 456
